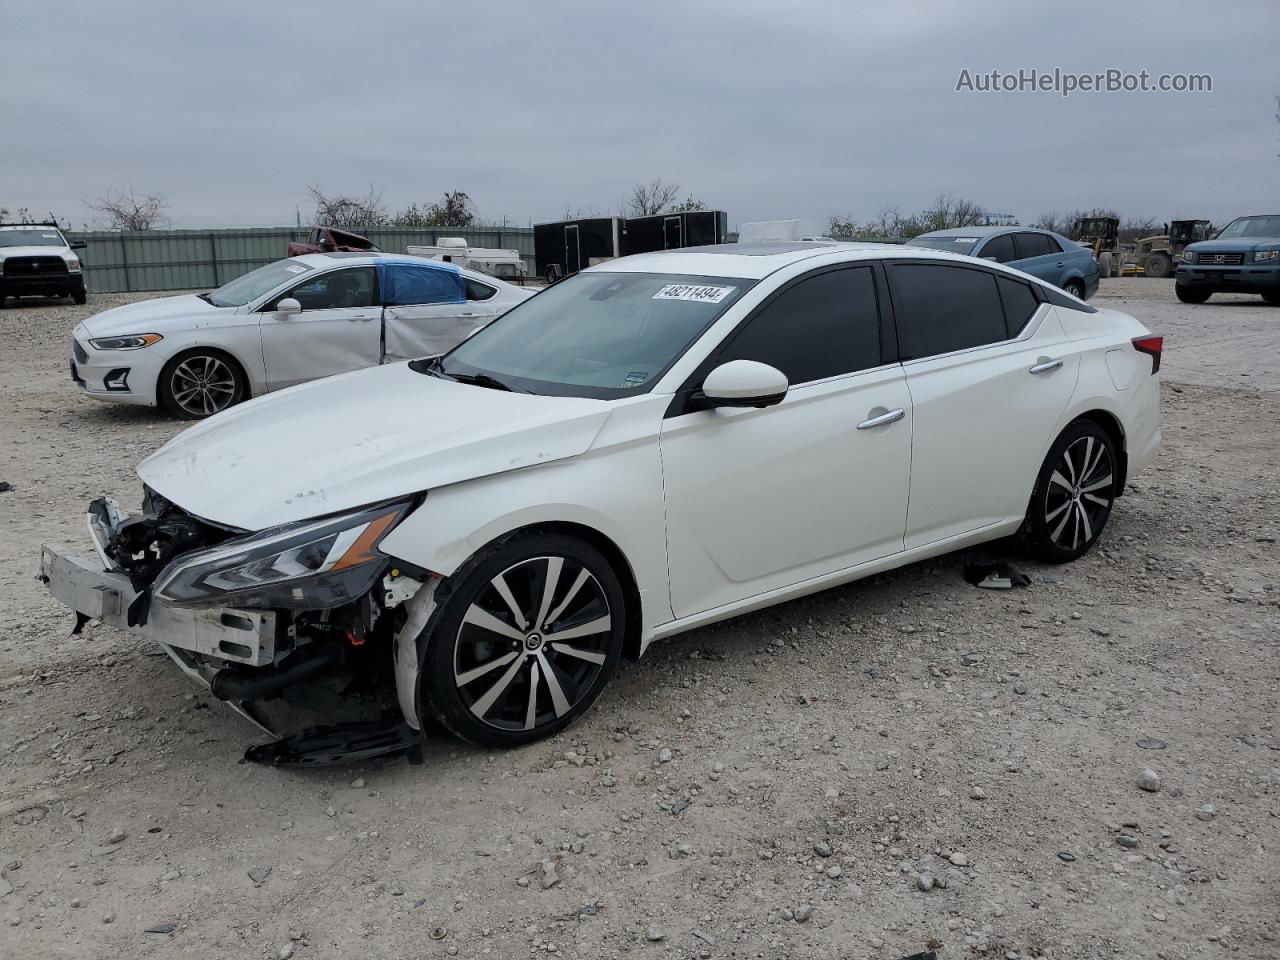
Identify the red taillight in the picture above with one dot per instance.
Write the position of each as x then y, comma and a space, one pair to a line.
1152, 347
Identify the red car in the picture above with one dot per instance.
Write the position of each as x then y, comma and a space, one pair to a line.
329, 239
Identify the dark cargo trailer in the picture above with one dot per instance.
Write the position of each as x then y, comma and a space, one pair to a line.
567, 246
670, 231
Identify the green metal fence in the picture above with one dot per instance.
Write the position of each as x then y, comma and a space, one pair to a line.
117, 262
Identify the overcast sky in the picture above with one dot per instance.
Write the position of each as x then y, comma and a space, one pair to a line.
764, 109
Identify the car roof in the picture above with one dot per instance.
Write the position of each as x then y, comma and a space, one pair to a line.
319, 261
28, 226
981, 231
755, 261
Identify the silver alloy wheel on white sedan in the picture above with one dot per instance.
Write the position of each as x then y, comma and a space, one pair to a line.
202, 385
532, 643
1080, 493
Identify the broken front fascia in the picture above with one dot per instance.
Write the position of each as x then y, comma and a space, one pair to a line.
295, 641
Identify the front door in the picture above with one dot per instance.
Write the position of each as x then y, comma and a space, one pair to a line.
990, 373
339, 328
761, 499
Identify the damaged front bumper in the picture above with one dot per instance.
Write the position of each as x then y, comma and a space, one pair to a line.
249, 637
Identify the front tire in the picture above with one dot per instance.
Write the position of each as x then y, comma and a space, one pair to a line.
80, 296
201, 382
1272, 297
524, 642
1074, 493
1191, 294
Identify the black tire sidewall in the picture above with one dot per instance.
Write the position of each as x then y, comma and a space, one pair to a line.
1191, 295
1036, 530
164, 392
438, 694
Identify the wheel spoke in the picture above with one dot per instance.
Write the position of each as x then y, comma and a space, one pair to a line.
558, 700
1084, 522
549, 583
1060, 480
1071, 465
479, 617
1057, 531
531, 711
591, 656
504, 591
1097, 484
554, 615
1096, 499
482, 706
598, 625
477, 672
1053, 513
1086, 462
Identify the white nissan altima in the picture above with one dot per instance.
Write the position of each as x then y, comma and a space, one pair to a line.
654, 444
285, 323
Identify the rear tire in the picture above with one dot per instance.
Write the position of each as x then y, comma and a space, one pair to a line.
1191, 294
199, 383
493, 671
1074, 493
1075, 288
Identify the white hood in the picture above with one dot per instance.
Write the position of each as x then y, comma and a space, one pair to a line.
360, 438
51, 251
153, 316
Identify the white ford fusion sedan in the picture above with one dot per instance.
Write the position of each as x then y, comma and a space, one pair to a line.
654, 444
288, 322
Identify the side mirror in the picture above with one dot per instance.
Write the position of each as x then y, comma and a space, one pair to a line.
743, 383
77, 244
288, 307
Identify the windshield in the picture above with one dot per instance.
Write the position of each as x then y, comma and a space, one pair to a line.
1251, 227
598, 335
255, 283
35, 237
954, 244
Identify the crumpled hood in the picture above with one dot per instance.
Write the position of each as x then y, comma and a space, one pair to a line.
1234, 245
153, 316
360, 438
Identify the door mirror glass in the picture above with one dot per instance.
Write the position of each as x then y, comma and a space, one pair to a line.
288, 307
744, 383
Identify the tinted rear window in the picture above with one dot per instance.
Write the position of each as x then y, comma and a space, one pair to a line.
1035, 245
943, 308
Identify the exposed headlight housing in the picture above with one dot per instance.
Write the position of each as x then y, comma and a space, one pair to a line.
1188, 256
1262, 256
309, 565
134, 341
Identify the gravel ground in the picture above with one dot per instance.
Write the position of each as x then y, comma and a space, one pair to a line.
781, 785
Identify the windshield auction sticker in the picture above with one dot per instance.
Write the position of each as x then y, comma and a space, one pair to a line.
694, 292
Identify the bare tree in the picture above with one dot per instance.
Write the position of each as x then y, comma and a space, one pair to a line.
127, 210
689, 205
348, 211
949, 212
1135, 228
649, 198
454, 209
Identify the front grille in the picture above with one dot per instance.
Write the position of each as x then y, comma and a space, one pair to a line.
1221, 259
81, 355
33, 266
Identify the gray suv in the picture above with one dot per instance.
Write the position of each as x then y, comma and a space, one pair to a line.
37, 261
1243, 258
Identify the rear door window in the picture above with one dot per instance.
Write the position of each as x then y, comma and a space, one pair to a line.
941, 308
822, 326
1034, 245
1020, 304
999, 249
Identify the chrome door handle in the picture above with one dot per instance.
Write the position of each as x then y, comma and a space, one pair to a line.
1044, 366
893, 416
354, 319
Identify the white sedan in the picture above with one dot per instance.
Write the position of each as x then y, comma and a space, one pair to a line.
288, 322
654, 444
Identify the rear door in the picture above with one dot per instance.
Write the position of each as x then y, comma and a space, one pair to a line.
1039, 255
427, 312
990, 373
338, 329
